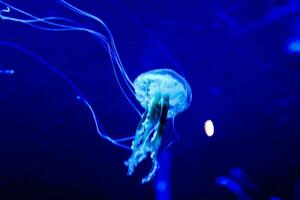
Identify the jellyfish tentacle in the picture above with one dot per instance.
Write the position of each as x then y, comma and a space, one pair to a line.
72, 85
176, 136
101, 133
33, 19
114, 48
44, 63
53, 23
112, 45
124, 139
49, 24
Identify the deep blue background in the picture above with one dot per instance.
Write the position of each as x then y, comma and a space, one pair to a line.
241, 76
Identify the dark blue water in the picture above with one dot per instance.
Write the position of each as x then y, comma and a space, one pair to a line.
234, 54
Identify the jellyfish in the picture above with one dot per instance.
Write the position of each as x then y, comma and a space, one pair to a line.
162, 93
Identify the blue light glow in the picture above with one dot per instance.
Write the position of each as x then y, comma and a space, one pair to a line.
233, 187
161, 186
294, 46
274, 198
7, 71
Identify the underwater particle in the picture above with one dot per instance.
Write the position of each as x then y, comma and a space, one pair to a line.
163, 94
209, 128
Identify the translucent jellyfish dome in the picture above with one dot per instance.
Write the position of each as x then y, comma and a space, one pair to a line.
169, 84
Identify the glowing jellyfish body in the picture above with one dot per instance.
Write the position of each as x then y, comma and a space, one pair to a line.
163, 94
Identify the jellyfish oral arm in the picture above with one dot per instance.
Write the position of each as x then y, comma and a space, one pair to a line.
148, 136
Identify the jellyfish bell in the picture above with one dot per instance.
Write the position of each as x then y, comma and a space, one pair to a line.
166, 82
163, 94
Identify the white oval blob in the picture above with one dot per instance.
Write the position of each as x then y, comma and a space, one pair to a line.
209, 128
